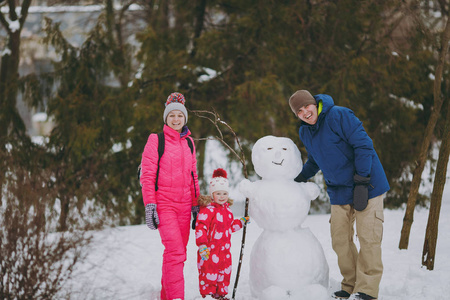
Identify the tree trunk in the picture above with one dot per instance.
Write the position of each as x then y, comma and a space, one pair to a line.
114, 35
438, 100
64, 213
429, 246
198, 26
9, 75
9, 72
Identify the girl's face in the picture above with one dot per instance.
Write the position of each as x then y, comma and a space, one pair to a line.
220, 197
308, 114
176, 120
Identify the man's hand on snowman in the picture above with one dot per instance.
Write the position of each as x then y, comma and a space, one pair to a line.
245, 187
361, 192
204, 252
300, 178
245, 220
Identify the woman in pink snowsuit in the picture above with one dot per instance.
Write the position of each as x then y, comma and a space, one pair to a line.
168, 207
215, 223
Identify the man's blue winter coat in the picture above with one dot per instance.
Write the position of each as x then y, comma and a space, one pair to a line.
339, 146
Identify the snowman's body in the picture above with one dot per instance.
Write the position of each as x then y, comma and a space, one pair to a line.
287, 261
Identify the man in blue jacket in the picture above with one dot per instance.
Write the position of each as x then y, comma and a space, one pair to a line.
338, 145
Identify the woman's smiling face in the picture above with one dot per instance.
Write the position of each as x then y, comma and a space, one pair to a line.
176, 120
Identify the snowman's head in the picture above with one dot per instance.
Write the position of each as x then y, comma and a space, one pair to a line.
276, 158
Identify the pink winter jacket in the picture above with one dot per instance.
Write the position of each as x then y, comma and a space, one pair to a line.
175, 181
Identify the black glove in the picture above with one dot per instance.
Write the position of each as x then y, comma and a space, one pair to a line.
360, 192
151, 216
300, 178
194, 210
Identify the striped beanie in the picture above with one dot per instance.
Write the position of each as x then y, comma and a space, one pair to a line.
175, 101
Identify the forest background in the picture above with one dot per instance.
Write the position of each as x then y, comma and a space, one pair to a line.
103, 93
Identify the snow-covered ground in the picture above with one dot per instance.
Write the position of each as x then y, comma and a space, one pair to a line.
125, 262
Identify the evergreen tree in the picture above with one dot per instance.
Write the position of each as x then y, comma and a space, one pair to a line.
91, 120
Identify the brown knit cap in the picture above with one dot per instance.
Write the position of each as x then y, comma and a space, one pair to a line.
299, 99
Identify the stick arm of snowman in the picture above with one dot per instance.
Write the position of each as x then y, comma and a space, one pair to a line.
214, 118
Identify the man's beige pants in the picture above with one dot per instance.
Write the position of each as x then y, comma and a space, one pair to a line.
361, 271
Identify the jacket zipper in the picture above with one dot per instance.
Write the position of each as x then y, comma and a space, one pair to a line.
212, 233
193, 181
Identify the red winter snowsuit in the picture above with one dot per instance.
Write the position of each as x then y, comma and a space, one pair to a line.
177, 192
214, 226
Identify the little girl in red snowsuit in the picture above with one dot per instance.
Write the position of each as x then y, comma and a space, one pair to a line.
215, 223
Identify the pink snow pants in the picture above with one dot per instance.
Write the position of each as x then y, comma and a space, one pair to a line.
174, 228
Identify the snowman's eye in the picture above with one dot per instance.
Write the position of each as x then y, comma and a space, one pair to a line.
284, 149
270, 148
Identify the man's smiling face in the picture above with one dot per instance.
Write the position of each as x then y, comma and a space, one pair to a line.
308, 114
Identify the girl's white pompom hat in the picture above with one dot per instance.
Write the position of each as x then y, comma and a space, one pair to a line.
219, 182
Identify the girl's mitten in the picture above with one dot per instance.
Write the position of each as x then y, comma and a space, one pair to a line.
245, 220
194, 210
204, 252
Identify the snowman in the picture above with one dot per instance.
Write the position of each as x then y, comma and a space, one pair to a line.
287, 261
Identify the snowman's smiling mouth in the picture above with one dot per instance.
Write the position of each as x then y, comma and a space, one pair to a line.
278, 164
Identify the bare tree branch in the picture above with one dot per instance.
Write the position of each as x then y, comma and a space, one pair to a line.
12, 9
5, 23
24, 12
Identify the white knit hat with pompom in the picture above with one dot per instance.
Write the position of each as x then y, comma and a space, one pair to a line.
219, 182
